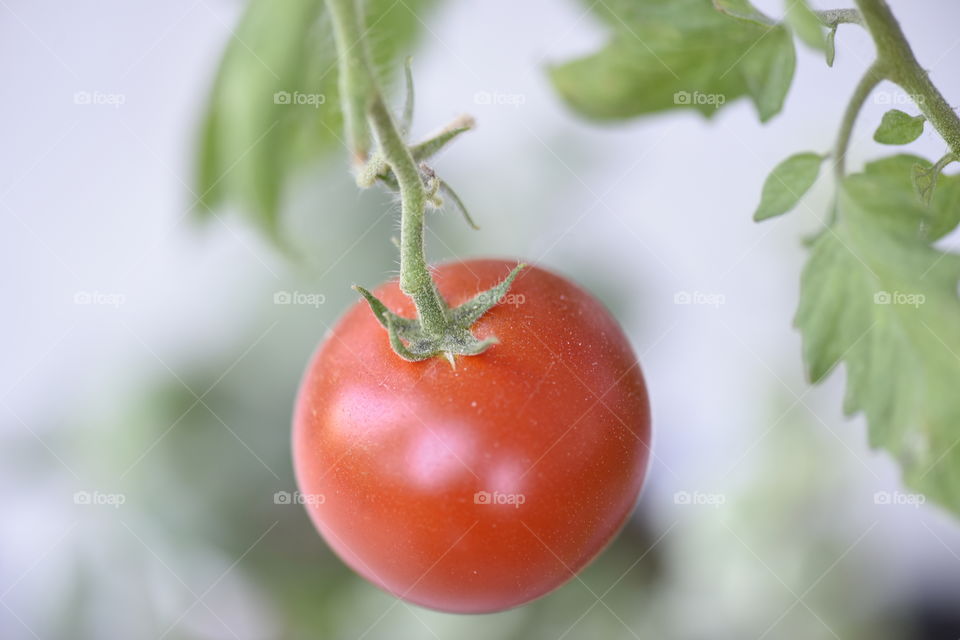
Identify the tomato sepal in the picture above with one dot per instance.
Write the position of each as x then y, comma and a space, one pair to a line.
471, 310
413, 343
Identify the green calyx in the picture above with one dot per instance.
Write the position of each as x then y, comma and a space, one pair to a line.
412, 340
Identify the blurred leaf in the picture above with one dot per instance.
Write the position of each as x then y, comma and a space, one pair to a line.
878, 297
275, 106
668, 54
245, 129
787, 183
743, 10
807, 25
897, 127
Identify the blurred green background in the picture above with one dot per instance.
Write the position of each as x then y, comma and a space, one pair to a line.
149, 373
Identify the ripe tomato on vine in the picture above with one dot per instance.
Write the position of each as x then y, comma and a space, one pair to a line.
477, 488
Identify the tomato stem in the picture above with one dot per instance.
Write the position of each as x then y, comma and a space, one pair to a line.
438, 330
873, 76
833, 17
361, 98
415, 279
901, 66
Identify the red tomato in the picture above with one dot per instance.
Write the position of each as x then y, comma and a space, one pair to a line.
481, 488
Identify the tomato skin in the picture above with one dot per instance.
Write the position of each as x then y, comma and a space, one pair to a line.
556, 415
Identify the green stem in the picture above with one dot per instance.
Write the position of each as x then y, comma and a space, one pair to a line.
438, 330
415, 280
942, 163
873, 76
361, 96
356, 82
893, 50
833, 17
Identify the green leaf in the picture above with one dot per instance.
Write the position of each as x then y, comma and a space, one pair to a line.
244, 129
807, 25
274, 107
669, 54
787, 183
897, 127
876, 296
897, 207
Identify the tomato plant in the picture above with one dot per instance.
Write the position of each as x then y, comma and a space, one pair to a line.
478, 488
397, 440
